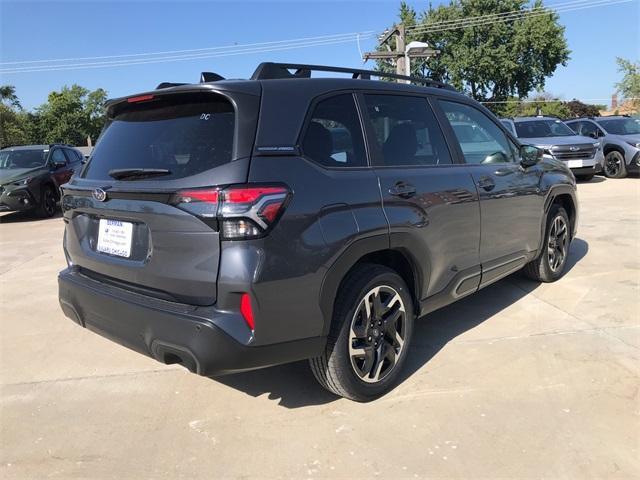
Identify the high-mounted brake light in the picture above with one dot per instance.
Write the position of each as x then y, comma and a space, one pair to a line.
140, 98
244, 211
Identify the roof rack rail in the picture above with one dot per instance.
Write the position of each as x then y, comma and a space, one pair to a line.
271, 70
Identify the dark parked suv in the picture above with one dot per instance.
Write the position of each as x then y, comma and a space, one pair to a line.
237, 224
30, 176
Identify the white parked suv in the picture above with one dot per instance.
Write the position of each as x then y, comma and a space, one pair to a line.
620, 139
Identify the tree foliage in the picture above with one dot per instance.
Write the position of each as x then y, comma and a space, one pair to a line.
578, 109
629, 86
492, 61
541, 104
69, 116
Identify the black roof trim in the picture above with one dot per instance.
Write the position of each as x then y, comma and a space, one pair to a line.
270, 70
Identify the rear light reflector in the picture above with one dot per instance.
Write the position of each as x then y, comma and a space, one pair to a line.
247, 211
188, 196
246, 310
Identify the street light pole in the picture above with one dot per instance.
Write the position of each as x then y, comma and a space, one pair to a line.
403, 53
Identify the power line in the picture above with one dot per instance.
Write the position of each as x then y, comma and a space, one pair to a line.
193, 50
500, 14
280, 45
479, 21
121, 63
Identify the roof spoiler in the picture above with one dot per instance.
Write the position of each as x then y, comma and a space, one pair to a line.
205, 77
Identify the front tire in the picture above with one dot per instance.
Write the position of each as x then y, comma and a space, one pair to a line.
614, 166
370, 333
551, 262
47, 205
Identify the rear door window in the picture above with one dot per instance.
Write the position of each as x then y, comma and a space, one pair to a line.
333, 137
58, 156
181, 138
406, 131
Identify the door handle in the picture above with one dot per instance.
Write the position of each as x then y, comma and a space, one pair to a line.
486, 183
402, 190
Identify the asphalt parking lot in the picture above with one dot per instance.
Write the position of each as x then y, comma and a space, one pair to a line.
518, 381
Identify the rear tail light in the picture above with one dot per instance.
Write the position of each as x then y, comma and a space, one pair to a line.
246, 211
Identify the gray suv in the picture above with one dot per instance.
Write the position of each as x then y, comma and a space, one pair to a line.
581, 154
620, 138
237, 224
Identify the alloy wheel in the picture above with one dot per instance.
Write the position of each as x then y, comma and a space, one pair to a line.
49, 202
612, 165
557, 243
377, 334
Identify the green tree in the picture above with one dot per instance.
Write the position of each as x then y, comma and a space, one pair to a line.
12, 118
629, 86
495, 60
71, 114
579, 109
8, 96
541, 104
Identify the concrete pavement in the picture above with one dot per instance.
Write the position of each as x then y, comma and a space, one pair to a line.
518, 381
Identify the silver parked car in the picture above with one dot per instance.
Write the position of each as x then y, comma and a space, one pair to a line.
581, 154
620, 138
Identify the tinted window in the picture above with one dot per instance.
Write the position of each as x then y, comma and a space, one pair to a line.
542, 128
622, 126
184, 138
481, 140
58, 156
508, 125
334, 137
583, 128
406, 130
71, 155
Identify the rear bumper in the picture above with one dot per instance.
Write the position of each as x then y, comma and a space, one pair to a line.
172, 333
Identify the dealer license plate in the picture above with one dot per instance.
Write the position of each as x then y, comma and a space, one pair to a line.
114, 237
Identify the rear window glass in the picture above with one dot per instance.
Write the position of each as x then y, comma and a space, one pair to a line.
334, 137
177, 138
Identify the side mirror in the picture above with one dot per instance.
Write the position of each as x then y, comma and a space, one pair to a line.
59, 164
530, 155
593, 134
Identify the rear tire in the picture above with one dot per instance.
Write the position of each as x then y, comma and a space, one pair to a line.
550, 264
47, 206
369, 337
614, 166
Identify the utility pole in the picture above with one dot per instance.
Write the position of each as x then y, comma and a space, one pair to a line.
403, 53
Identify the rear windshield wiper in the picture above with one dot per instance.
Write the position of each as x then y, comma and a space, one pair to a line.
137, 173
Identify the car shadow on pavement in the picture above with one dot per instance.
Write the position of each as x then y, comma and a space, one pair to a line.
19, 217
294, 386
595, 179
